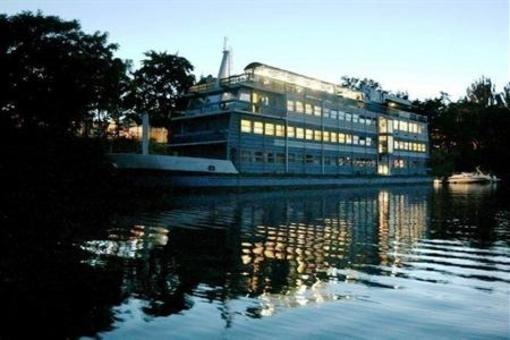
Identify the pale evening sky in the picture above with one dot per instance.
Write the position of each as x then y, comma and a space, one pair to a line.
423, 46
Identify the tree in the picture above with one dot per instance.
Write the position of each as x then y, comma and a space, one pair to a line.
53, 75
159, 85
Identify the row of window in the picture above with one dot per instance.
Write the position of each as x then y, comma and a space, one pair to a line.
278, 130
409, 146
390, 125
279, 158
317, 110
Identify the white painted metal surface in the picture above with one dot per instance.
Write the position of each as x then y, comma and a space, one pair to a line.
172, 163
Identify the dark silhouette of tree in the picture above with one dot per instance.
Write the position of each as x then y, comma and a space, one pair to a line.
53, 75
159, 85
357, 84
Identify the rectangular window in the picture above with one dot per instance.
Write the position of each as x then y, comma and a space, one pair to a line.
245, 125
325, 136
309, 134
309, 159
258, 128
292, 158
334, 137
317, 135
270, 157
280, 131
348, 117
341, 138
341, 115
383, 125
355, 118
362, 141
280, 158
300, 133
290, 105
259, 157
327, 160
403, 126
333, 114
269, 129
395, 125
348, 139
355, 139
291, 132
317, 110
368, 141
308, 109
299, 106
397, 145
368, 121
245, 156
362, 120
325, 112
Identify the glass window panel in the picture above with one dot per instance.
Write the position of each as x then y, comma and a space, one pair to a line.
300, 133
308, 109
334, 137
258, 128
299, 106
245, 125
309, 134
325, 136
317, 110
291, 132
317, 135
269, 129
280, 131
290, 105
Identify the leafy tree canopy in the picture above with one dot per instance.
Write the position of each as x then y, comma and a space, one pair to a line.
53, 75
159, 85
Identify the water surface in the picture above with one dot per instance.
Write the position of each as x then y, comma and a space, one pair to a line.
395, 262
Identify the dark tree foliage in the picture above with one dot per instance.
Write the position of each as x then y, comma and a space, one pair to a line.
470, 132
159, 85
53, 75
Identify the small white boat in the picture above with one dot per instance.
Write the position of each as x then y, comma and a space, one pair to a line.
473, 177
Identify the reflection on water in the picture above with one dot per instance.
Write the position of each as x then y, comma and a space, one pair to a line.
345, 262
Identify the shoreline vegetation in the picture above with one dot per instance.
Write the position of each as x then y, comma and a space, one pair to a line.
60, 88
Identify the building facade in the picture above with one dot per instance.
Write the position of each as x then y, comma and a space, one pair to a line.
275, 122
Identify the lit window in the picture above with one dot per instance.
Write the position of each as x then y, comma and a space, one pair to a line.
269, 129
362, 141
403, 126
348, 139
383, 125
368, 141
280, 131
317, 110
355, 139
317, 135
355, 118
362, 120
300, 133
258, 128
299, 106
290, 105
333, 114
397, 145
395, 124
341, 138
368, 121
334, 137
291, 132
348, 117
309, 134
341, 115
406, 146
325, 136
245, 125
325, 112
308, 109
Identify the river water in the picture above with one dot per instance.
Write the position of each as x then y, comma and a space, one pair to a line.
395, 262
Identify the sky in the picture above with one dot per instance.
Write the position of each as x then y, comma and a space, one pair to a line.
422, 46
